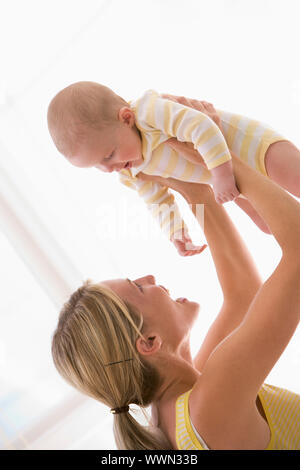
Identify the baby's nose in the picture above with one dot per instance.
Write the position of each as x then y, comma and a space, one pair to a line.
104, 169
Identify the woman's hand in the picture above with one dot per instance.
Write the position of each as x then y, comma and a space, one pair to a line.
222, 177
188, 148
203, 106
192, 192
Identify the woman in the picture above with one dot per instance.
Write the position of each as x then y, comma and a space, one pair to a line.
124, 342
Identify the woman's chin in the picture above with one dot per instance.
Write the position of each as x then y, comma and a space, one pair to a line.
196, 306
189, 304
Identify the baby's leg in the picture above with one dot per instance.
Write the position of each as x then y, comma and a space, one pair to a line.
249, 209
282, 163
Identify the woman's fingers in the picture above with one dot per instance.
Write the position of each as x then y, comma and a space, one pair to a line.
177, 185
191, 103
176, 144
199, 192
196, 104
208, 105
187, 149
202, 106
170, 182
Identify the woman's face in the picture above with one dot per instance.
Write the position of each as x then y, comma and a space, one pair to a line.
171, 319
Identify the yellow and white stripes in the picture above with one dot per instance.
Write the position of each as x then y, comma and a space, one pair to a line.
281, 407
185, 436
159, 201
159, 119
248, 139
162, 117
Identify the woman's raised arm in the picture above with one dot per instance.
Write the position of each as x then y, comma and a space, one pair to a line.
236, 271
236, 369
229, 252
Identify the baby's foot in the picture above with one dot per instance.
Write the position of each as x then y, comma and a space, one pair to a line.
223, 182
225, 190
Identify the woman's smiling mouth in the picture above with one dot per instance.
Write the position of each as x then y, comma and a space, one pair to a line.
180, 300
164, 289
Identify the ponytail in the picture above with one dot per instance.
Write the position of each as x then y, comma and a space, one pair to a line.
93, 349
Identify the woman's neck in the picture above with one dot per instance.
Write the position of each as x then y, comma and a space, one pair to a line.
178, 375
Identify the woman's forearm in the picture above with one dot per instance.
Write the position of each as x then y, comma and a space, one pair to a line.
235, 268
278, 209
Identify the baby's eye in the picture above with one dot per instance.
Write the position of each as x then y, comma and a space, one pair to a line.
108, 158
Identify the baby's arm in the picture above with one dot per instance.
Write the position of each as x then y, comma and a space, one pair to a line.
200, 129
161, 203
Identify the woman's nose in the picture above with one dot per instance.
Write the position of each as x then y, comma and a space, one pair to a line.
148, 279
151, 279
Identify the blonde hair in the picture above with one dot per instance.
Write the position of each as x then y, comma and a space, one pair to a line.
93, 349
79, 107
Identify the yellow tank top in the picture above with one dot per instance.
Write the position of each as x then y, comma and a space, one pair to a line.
281, 407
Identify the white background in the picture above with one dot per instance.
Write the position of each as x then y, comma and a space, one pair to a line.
242, 55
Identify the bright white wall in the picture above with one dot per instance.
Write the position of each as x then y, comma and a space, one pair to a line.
242, 55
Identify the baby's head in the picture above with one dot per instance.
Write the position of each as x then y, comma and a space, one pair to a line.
93, 127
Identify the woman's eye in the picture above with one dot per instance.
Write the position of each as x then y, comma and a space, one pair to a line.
139, 286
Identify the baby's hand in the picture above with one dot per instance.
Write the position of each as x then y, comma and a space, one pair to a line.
223, 181
184, 244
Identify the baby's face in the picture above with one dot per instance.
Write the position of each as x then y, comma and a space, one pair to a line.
111, 150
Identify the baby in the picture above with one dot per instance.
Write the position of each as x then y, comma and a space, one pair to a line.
93, 127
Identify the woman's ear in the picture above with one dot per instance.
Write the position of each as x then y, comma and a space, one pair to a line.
148, 345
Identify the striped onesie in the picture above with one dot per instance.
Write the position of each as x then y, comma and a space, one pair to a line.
282, 410
159, 119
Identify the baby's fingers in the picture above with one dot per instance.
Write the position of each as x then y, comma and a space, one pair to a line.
194, 251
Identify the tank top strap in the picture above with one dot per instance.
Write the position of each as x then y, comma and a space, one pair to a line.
187, 438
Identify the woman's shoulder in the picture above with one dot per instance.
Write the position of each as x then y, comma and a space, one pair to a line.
223, 428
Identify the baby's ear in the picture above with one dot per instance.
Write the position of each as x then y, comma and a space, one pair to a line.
126, 115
